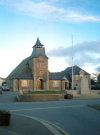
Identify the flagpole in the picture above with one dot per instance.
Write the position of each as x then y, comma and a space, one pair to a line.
72, 65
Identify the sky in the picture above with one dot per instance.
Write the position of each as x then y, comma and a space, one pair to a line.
55, 22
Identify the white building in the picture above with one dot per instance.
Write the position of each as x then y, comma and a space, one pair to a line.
2, 80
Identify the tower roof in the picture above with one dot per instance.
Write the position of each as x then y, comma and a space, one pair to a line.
38, 50
38, 44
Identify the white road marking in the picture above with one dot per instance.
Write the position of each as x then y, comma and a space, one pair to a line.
43, 108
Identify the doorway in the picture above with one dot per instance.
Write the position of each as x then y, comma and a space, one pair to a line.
66, 85
40, 84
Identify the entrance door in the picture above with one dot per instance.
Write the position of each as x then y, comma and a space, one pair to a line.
40, 84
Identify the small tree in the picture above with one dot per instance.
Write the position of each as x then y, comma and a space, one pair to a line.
98, 78
92, 82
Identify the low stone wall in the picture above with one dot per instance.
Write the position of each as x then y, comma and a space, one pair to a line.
73, 92
77, 92
40, 97
92, 94
94, 91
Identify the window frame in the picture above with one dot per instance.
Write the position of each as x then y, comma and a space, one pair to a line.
24, 83
56, 84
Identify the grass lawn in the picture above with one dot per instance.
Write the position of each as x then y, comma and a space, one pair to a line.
95, 106
45, 92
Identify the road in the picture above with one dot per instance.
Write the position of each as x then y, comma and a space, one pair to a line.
73, 116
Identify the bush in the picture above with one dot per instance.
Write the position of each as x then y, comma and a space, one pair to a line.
4, 112
4, 118
68, 96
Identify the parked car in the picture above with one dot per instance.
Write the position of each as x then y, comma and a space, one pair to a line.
5, 88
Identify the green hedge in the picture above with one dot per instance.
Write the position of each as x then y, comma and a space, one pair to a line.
45, 92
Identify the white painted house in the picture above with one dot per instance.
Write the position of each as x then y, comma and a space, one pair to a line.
2, 80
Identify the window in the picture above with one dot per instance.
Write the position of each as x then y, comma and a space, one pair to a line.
24, 83
55, 83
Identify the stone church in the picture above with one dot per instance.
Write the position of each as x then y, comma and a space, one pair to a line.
33, 74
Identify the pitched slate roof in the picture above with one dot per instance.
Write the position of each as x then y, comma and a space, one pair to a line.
19, 68
76, 70
66, 73
59, 76
2, 78
56, 76
24, 75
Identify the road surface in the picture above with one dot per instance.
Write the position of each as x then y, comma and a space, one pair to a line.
73, 116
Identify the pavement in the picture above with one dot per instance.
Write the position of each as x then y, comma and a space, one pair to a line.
8, 97
83, 97
23, 125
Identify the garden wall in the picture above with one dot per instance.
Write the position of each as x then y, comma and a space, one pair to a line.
95, 91
41, 97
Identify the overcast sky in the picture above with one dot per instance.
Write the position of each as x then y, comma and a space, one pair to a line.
54, 22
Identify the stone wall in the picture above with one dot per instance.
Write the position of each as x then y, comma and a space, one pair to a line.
54, 87
73, 92
76, 93
41, 97
94, 91
18, 85
40, 71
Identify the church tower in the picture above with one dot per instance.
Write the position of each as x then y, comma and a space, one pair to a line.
40, 67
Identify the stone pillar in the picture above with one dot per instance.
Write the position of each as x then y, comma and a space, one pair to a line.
47, 81
63, 84
35, 82
34, 74
84, 86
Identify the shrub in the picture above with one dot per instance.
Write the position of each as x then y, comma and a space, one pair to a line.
4, 118
68, 96
4, 112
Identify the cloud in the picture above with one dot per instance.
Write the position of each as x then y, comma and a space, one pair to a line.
85, 47
47, 10
84, 53
97, 68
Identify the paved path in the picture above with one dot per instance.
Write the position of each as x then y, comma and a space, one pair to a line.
24, 125
21, 125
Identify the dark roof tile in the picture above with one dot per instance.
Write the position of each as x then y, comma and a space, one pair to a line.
19, 68
24, 75
66, 73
